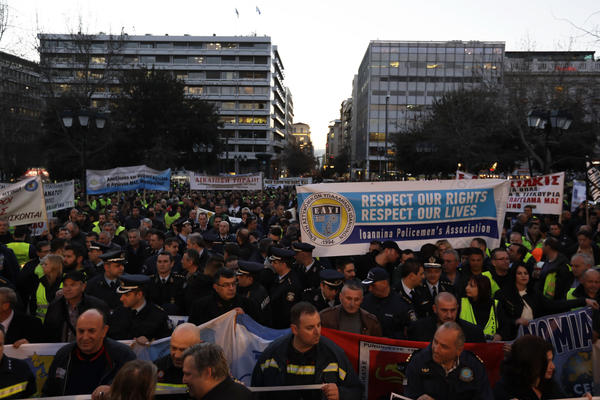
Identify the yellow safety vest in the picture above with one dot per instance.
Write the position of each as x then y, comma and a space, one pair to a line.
493, 283
170, 219
96, 227
119, 230
467, 314
13, 389
21, 250
42, 301
550, 284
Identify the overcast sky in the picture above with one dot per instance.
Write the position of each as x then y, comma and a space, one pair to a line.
321, 42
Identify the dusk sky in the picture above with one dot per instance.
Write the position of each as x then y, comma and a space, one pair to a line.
321, 42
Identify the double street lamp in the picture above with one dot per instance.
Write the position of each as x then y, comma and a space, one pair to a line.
84, 117
554, 121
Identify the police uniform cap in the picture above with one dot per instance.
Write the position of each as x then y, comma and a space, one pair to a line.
131, 282
102, 246
114, 256
279, 253
332, 277
182, 221
95, 246
376, 274
299, 246
249, 267
432, 262
76, 276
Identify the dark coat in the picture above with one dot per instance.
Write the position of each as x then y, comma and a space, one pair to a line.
424, 329
24, 326
15, 372
170, 295
151, 322
228, 389
210, 307
58, 374
57, 317
98, 287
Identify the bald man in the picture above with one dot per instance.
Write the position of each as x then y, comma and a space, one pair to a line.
92, 360
170, 366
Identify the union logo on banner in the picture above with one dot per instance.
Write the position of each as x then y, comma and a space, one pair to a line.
328, 218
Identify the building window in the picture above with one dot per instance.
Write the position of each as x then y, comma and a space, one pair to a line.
164, 45
213, 46
229, 75
196, 75
180, 60
213, 90
194, 90
212, 75
227, 119
228, 60
163, 59
228, 105
196, 60
147, 45
212, 60
261, 60
147, 59
98, 60
246, 60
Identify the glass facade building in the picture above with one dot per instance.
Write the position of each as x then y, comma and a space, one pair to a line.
398, 81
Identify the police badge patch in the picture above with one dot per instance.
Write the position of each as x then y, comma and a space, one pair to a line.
466, 375
290, 296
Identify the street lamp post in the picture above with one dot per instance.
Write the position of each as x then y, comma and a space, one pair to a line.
556, 121
387, 103
83, 117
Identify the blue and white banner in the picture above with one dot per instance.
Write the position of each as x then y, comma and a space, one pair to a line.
342, 218
127, 178
571, 336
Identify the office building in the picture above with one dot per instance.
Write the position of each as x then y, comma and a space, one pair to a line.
398, 81
242, 75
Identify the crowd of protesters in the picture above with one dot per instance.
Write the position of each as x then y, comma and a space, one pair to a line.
116, 266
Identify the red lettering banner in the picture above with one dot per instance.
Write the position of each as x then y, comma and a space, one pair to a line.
380, 362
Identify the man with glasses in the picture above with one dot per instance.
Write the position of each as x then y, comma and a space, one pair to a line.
451, 274
224, 299
498, 273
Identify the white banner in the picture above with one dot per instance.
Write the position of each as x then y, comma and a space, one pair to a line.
23, 202
579, 194
228, 182
342, 218
543, 193
281, 182
59, 195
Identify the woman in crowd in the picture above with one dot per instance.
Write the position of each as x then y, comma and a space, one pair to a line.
480, 309
526, 373
522, 304
135, 381
48, 284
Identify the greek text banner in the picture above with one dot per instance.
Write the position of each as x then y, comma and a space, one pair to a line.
227, 182
342, 218
123, 179
59, 195
544, 193
23, 202
571, 336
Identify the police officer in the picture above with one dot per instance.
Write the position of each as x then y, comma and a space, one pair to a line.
307, 267
223, 300
412, 277
432, 286
137, 318
327, 294
16, 379
105, 286
287, 288
443, 370
393, 313
166, 288
249, 286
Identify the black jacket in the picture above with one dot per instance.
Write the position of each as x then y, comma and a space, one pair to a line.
57, 318
16, 372
270, 369
58, 376
98, 288
24, 326
392, 312
151, 322
513, 304
228, 389
210, 307
424, 329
